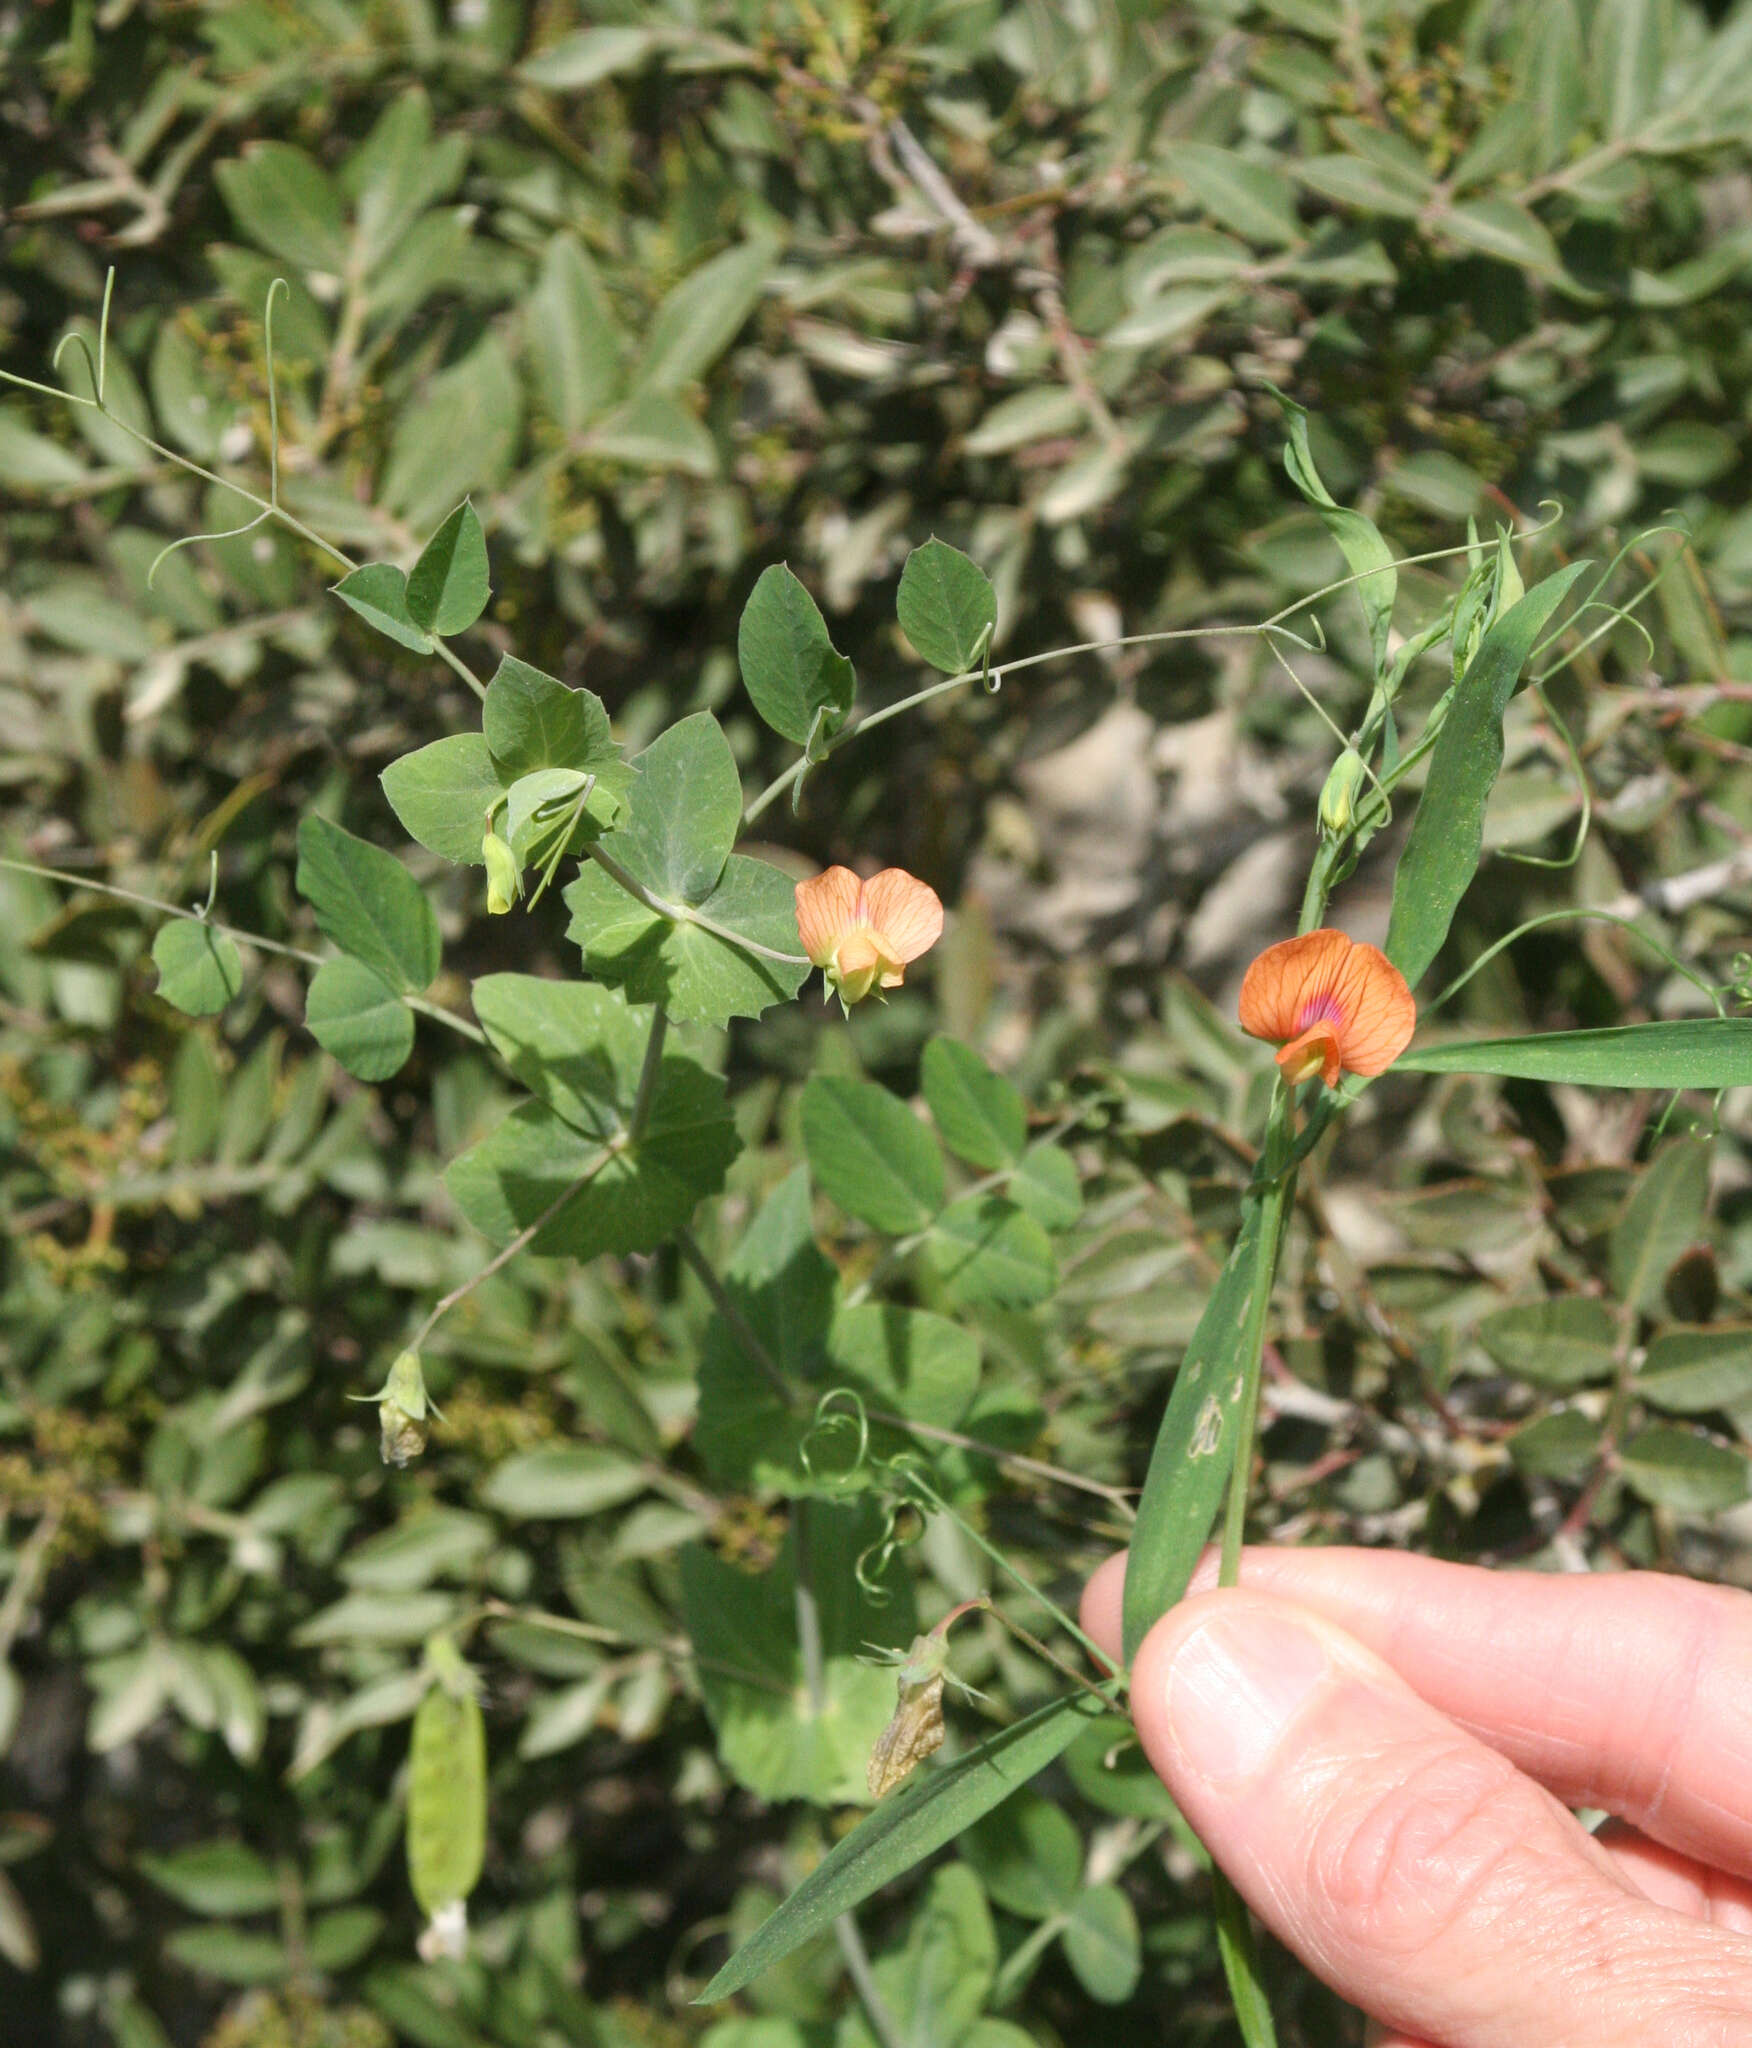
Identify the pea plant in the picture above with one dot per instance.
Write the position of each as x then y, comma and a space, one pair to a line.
845, 1393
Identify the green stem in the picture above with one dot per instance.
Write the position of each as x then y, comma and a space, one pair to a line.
648, 1072
1241, 1965
845, 1928
942, 1507
1235, 1937
1014, 1975
735, 1321
684, 913
1273, 1204
519, 1243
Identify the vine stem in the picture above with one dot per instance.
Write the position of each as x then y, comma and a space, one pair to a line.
1273, 1204
1235, 1936
622, 1142
649, 1069
993, 675
722, 1300
924, 1487
31, 1564
845, 1927
269, 507
519, 1243
436, 1011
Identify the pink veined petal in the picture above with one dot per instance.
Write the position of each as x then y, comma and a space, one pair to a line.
905, 912
826, 906
859, 951
1380, 1012
1287, 979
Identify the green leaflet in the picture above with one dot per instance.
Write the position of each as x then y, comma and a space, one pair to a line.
1692, 1052
1442, 854
800, 683
907, 1827
199, 969
1359, 540
447, 587
947, 606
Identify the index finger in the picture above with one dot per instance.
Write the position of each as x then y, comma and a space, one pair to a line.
1631, 1691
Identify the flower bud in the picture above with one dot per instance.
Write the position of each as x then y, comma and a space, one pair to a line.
1338, 807
504, 882
403, 1411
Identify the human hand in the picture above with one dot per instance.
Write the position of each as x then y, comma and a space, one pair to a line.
1380, 1750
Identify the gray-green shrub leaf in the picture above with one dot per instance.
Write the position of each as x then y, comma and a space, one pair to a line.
1690, 1372
1675, 1468
1663, 1218
1565, 1342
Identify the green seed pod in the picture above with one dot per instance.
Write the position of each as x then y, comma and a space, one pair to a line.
504, 882
1338, 800
447, 1791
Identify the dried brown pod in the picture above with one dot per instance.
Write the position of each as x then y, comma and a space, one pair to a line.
917, 1727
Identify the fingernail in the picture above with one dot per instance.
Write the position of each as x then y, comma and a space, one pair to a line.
1235, 1685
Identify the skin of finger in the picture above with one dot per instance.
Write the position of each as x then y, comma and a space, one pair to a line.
1660, 1874
1413, 1867
1628, 1691
1670, 1879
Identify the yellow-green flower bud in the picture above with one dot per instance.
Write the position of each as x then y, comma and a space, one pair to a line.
404, 1411
1338, 800
504, 883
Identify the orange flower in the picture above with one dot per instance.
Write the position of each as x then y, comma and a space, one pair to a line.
864, 934
1333, 1005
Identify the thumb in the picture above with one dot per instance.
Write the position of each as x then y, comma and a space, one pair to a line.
1413, 1868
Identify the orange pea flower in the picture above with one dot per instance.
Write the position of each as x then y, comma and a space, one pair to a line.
863, 935
1334, 1006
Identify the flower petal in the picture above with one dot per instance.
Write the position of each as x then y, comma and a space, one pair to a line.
1286, 978
906, 913
857, 964
1380, 1012
825, 907
1316, 1051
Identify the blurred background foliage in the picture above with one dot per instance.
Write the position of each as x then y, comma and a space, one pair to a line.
675, 292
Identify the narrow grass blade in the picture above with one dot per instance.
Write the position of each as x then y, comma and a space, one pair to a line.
1195, 1447
908, 1826
1442, 854
1691, 1052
